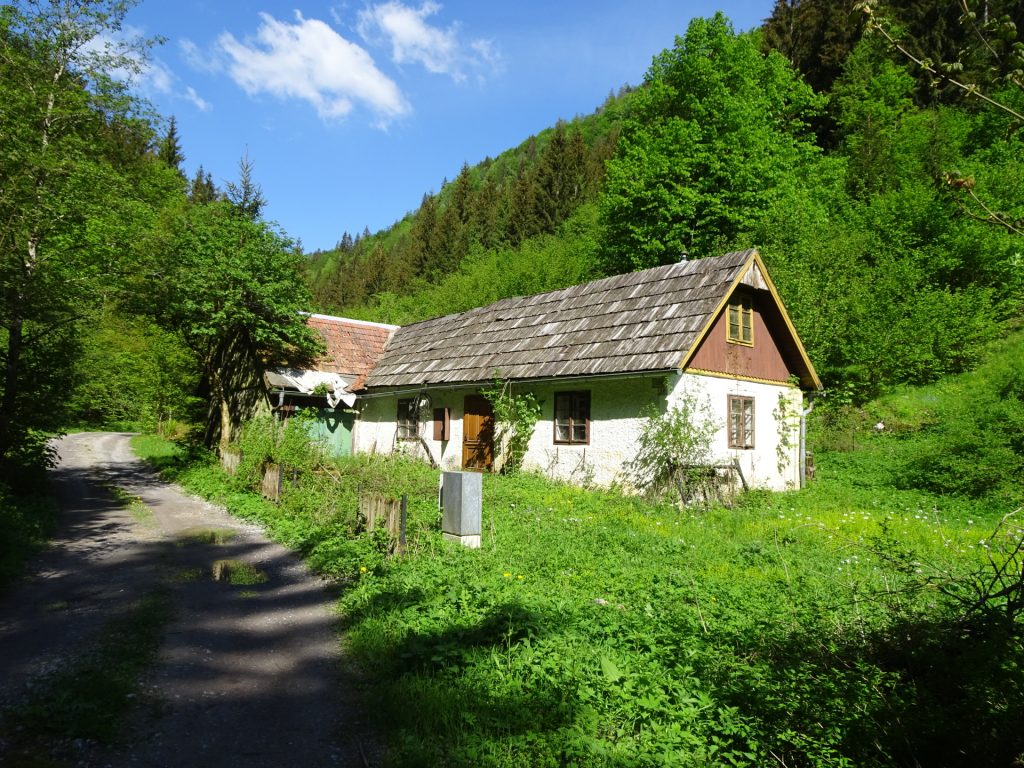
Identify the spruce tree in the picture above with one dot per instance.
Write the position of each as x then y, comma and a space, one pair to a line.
246, 195
202, 189
169, 149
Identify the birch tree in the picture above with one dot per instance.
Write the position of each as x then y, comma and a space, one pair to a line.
70, 138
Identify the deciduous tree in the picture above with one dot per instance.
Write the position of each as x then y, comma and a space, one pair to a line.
717, 127
76, 183
231, 287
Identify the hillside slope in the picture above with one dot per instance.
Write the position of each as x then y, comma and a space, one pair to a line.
874, 208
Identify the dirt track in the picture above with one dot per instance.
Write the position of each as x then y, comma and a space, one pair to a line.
247, 676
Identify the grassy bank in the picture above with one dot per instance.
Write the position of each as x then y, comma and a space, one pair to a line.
833, 626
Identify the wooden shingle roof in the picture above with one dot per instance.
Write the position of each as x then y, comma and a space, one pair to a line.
641, 321
353, 346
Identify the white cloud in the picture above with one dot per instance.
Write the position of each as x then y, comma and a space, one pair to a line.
486, 53
159, 76
198, 59
411, 38
308, 60
414, 40
201, 104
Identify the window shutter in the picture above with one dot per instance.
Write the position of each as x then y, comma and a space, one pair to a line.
442, 424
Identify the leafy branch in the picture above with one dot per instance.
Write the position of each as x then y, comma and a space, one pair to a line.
992, 592
877, 24
516, 413
990, 216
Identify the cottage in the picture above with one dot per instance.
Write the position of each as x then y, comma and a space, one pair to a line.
352, 348
597, 356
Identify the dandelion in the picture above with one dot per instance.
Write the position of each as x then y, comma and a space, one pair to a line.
362, 569
520, 577
507, 575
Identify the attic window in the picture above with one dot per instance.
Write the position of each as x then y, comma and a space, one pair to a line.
740, 320
572, 418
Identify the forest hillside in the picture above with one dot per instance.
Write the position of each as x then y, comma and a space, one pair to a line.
886, 200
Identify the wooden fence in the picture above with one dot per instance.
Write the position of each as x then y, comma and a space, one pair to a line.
271, 485
376, 511
230, 460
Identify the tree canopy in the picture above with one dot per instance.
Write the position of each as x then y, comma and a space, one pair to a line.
230, 286
78, 185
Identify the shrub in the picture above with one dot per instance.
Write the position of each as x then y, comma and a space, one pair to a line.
975, 447
517, 414
674, 448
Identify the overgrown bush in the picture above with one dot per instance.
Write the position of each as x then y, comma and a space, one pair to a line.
975, 445
28, 513
264, 439
674, 448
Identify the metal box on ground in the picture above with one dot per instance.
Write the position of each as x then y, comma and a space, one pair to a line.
461, 503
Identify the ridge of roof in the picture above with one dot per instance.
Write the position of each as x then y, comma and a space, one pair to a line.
349, 321
637, 321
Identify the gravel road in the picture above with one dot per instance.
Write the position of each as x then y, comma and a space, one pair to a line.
248, 675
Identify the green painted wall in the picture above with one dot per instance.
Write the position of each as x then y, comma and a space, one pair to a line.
334, 427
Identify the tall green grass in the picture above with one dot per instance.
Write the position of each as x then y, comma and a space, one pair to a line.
847, 624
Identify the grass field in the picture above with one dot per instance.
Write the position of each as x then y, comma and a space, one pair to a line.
871, 619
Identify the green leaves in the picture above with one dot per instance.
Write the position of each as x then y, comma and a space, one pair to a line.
611, 670
517, 413
673, 445
78, 189
715, 128
231, 287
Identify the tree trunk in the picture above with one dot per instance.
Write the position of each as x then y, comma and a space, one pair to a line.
225, 423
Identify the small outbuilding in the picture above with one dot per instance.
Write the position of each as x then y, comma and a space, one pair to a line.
352, 349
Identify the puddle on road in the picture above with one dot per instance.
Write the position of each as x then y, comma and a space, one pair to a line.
237, 572
188, 575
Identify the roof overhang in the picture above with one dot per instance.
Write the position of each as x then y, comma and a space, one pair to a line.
302, 381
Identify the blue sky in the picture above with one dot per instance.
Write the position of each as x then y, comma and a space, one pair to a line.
350, 111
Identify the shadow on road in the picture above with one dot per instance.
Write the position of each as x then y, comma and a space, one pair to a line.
248, 673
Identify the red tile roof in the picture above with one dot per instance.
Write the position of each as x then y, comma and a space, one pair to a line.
353, 346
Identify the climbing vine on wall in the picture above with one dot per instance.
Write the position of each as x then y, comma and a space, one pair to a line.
515, 415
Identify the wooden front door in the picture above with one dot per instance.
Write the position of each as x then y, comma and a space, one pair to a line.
477, 433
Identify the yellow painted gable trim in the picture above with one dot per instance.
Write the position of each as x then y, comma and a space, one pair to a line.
754, 379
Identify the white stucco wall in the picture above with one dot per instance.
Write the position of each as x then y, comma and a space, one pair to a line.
616, 406
774, 461
376, 428
616, 422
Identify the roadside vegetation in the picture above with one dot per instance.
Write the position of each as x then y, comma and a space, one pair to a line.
28, 516
873, 618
